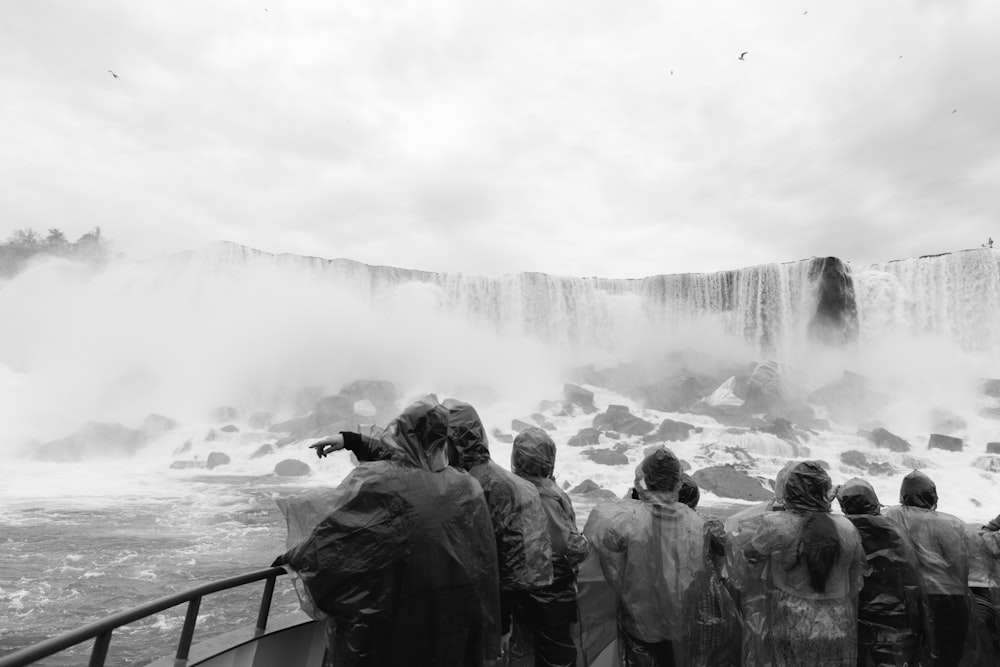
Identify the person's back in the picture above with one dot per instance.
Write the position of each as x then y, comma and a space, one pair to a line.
405, 565
653, 552
892, 601
800, 575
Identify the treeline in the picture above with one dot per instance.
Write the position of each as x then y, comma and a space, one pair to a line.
25, 244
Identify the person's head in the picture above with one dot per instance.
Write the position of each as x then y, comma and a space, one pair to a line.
918, 490
689, 493
779, 485
421, 434
661, 471
467, 442
807, 491
533, 454
856, 496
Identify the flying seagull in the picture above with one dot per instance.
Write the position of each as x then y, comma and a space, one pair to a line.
112, 74
743, 54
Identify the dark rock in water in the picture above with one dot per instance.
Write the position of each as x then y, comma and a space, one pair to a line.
211, 436
225, 413
988, 463
946, 442
262, 451
260, 421
565, 486
850, 398
618, 418
186, 465
671, 431
156, 425
381, 393
725, 414
854, 458
585, 436
881, 468
944, 421
542, 422
216, 459
990, 387
783, 429
334, 408
517, 425
993, 447
577, 395
728, 482
231, 428
836, 318
613, 435
94, 440
989, 413
586, 486
606, 457
766, 388
291, 468
916, 463
886, 439
499, 436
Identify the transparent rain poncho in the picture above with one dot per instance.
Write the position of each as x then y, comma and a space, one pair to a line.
892, 605
798, 572
403, 565
519, 522
942, 550
654, 554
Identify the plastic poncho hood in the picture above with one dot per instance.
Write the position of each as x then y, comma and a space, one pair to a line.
534, 454
807, 488
856, 496
661, 470
419, 435
689, 493
466, 434
918, 490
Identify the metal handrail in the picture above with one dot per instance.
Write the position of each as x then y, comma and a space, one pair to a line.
101, 630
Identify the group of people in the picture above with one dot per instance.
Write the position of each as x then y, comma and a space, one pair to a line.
429, 553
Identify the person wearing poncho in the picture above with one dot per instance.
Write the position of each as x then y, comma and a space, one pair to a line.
892, 603
654, 554
404, 566
519, 525
799, 574
547, 617
942, 551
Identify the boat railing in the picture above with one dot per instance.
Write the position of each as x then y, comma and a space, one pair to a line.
100, 631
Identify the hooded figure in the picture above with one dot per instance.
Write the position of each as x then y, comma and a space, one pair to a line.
404, 566
800, 576
892, 603
548, 615
942, 552
519, 522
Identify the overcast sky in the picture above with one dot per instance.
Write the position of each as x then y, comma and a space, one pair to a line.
572, 137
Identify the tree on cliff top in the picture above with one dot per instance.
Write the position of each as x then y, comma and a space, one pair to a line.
25, 244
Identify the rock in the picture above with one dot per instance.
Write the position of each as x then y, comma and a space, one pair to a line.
728, 482
211, 435
287, 440
849, 398
724, 414
334, 408
724, 396
944, 421
671, 431
577, 395
291, 468
365, 409
988, 463
584, 437
606, 457
505, 438
93, 440
946, 442
260, 421
314, 423
586, 486
766, 388
854, 458
836, 318
263, 450
216, 459
382, 394
613, 435
993, 447
619, 419
230, 429
783, 429
990, 387
155, 425
517, 425
225, 413
989, 413
673, 394
186, 465
881, 468
915, 463
186, 447
542, 422
885, 439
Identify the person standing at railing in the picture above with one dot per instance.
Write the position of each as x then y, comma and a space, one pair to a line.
404, 567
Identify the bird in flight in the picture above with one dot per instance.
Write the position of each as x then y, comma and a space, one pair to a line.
743, 54
112, 74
